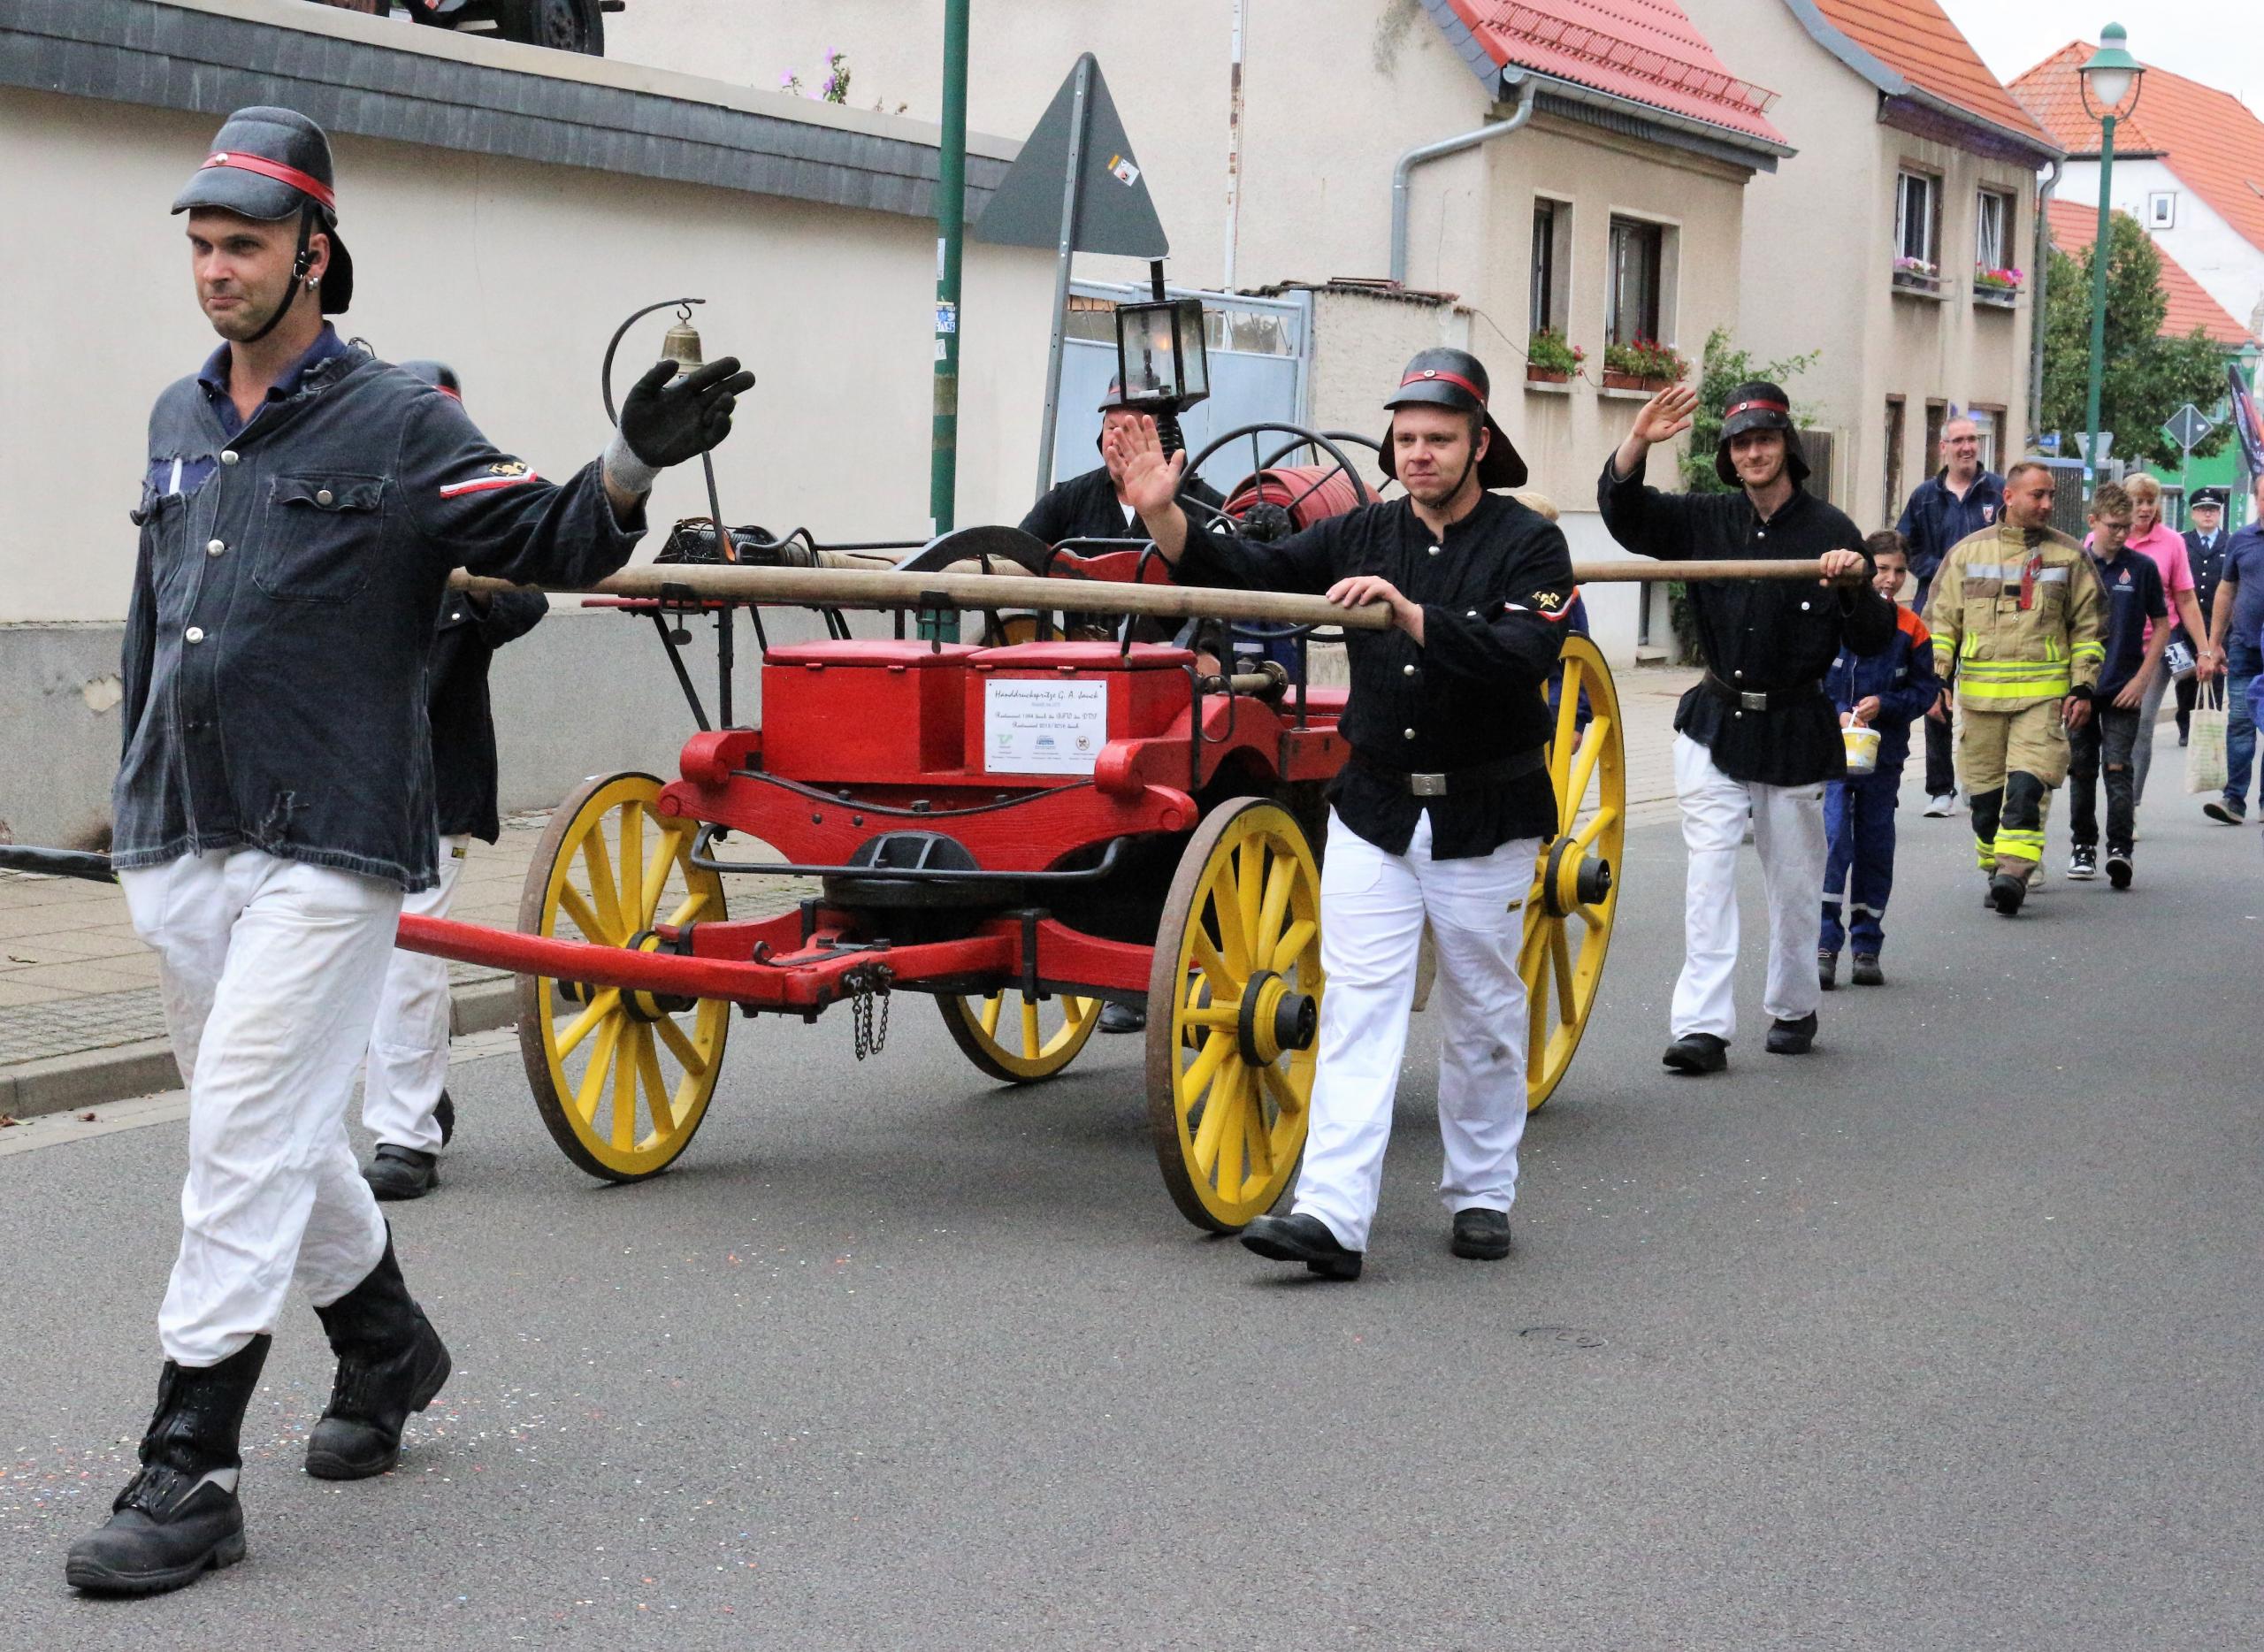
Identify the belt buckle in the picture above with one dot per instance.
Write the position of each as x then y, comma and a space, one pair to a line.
1752, 701
1427, 785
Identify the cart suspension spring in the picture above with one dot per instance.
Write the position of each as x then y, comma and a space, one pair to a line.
866, 987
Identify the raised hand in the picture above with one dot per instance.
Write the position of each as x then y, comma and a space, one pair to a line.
665, 423
1665, 416
1148, 480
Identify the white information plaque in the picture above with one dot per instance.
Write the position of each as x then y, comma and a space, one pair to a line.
1041, 727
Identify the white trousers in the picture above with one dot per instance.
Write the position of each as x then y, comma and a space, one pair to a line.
408, 1047
1373, 905
269, 970
1788, 835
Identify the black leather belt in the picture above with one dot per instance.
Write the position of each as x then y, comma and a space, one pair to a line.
1758, 699
1454, 780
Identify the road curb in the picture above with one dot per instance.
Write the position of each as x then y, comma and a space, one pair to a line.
88, 1078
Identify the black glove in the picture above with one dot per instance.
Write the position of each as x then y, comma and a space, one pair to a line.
666, 424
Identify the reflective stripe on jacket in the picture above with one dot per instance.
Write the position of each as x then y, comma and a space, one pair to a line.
2019, 618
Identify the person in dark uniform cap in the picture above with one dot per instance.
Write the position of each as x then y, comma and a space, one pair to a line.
1442, 808
405, 1102
1758, 736
302, 506
2205, 554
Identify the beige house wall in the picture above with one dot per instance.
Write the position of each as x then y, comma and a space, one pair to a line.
516, 274
1819, 251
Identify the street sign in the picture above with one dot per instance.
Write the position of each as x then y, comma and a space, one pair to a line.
2106, 444
2048, 443
1080, 141
2186, 427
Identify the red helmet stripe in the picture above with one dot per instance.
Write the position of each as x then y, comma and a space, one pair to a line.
1423, 375
1736, 408
305, 183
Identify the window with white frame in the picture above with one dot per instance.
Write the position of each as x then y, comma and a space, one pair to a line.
1993, 230
1638, 279
1552, 263
1988, 422
1917, 219
2162, 208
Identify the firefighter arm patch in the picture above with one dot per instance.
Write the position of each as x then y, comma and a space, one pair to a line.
1553, 603
501, 473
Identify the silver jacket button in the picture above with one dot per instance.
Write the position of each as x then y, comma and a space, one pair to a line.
1435, 550
1407, 671
1408, 734
322, 496
194, 633
228, 455
214, 548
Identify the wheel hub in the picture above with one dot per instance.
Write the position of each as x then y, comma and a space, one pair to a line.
1571, 880
651, 1007
1273, 1019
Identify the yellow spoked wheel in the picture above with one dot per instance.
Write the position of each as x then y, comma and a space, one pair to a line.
1576, 883
621, 1078
1017, 1041
1234, 1012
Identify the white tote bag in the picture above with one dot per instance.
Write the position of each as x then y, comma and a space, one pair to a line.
2205, 744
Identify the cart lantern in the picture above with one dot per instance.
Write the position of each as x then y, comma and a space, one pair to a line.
1161, 354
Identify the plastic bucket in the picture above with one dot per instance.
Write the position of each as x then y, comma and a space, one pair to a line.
1863, 749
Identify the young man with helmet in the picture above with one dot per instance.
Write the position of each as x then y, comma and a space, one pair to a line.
301, 506
1440, 809
1758, 738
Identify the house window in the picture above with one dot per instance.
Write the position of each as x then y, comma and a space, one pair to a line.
1892, 509
1552, 262
1638, 272
1988, 425
1992, 230
1917, 230
2162, 208
1936, 413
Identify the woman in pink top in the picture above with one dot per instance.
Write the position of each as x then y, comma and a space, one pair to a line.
2168, 548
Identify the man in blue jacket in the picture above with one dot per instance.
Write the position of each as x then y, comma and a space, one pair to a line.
1957, 501
1885, 692
301, 506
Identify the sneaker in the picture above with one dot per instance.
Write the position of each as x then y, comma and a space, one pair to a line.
2037, 874
2226, 811
2083, 862
2118, 867
1941, 806
1827, 969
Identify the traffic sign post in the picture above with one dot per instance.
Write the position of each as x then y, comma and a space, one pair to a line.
2187, 427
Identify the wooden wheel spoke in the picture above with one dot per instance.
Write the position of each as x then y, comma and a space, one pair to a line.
1200, 1072
657, 867
1598, 824
1267, 936
992, 1006
1568, 712
690, 907
1207, 959
1225, 898
624, 1098
1033, 1046
1223, 1108
580, 1027
1277, 1085
681, 1047
602, 896
591, 1089
1591, 916
1293, 943
593, 926
1249, 894
1257, 1142
1560, 954
656, 1086
1536, 1022
633, 910
1592, 749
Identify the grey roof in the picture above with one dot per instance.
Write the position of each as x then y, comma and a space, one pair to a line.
379, 77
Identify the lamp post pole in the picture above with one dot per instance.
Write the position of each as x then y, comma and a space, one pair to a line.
951, 223
2102, 251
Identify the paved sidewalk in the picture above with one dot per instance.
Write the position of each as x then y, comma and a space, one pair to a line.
81, 1024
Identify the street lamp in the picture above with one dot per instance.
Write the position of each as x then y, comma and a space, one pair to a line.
2111, 77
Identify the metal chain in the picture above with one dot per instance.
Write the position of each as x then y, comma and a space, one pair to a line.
867, 987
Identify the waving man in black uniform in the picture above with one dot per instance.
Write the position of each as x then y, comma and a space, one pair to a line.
1440, 812
1757, 735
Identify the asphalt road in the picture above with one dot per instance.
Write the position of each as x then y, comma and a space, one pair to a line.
1945, 1336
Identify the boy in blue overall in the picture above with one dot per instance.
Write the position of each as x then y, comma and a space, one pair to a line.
1887, 692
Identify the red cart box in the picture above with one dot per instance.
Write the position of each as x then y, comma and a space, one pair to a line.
864, 713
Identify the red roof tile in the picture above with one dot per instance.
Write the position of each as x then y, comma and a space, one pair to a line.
1647, 50
2209, 138
1916, 39
2074, 226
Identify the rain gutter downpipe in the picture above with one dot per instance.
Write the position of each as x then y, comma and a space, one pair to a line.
1528, 90
2040, 254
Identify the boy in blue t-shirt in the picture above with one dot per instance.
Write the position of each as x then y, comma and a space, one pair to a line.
2110, 735
1887, 692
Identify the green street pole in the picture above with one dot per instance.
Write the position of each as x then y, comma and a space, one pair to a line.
2102, 251
950, 225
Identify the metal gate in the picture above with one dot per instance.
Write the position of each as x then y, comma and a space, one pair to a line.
1260, 351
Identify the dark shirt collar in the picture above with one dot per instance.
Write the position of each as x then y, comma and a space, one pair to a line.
213, 376
1982, 481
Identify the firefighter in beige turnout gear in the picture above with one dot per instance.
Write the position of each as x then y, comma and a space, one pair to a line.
2018, 616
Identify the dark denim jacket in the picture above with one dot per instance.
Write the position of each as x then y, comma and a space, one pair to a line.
278, 642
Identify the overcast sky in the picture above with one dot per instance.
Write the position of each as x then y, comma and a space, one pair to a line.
2220, 43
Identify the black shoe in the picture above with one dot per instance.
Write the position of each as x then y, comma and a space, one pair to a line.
2118, 867
2224, 813
179, 1516
391, 1362
2006, 890
1827, 969
444, 1114
1482, 1236
2083, 862
401, 1173
1305, 1239
1122, 1018
1868, 973
1696, 1053
1793, 1038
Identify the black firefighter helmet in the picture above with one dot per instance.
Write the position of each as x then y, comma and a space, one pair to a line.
271, 164
1759, 405
1457, 379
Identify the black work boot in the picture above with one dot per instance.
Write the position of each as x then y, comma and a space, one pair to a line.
1298, 1238
1827, 969
1480, 1235
2006, 890
1794, 1038
401, 1173
391, 1362
179, 1517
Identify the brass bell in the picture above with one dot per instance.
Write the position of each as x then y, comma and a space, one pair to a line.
681, 347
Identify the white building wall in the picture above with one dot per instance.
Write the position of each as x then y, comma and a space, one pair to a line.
2226, 263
